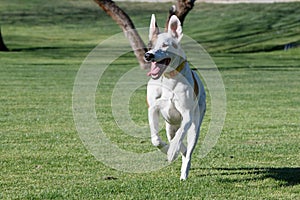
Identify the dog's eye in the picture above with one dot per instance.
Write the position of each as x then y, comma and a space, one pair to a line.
174, 45
165, 45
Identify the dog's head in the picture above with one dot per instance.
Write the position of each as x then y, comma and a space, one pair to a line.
165, 53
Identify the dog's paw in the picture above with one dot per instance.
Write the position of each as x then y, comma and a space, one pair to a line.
183, 177
173, 151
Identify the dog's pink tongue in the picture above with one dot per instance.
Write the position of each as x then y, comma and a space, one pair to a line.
154, 69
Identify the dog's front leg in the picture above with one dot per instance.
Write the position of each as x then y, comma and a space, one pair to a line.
153, 117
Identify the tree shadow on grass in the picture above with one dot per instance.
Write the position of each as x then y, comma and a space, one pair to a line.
287, 176
35, 48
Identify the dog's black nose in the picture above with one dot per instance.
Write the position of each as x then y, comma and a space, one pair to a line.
149, 57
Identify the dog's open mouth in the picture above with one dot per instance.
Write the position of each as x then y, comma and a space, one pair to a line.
157, 68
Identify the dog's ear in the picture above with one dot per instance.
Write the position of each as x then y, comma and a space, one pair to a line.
153, 29
174, 27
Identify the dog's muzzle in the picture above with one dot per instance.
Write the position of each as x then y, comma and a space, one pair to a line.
149, 57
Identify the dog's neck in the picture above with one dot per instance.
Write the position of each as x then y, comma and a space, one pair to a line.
176, 71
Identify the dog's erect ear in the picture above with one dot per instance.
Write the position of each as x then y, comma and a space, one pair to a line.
153, 29
174, 27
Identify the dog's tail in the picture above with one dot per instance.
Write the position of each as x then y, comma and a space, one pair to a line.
174, 149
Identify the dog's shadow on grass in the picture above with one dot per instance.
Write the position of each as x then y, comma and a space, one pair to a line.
291, 176
286, 176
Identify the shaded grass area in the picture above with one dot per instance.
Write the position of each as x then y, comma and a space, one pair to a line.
42, 156
260, 28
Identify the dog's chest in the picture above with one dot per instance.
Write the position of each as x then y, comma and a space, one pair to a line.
167, 105
170, 113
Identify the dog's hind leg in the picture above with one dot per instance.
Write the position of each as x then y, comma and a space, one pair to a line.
192, 138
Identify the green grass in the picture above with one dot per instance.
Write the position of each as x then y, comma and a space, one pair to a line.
42, 156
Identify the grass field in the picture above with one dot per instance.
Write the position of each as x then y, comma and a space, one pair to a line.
43, 157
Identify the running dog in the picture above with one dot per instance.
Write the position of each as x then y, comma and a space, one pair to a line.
174, 91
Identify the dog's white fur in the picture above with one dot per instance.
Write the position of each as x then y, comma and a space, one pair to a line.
171, 93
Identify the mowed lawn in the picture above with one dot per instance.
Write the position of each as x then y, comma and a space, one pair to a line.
257, 50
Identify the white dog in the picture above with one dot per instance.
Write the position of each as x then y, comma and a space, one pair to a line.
175, 92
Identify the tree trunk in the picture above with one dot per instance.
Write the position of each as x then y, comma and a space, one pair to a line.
181, 10
123, 20
2, 45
